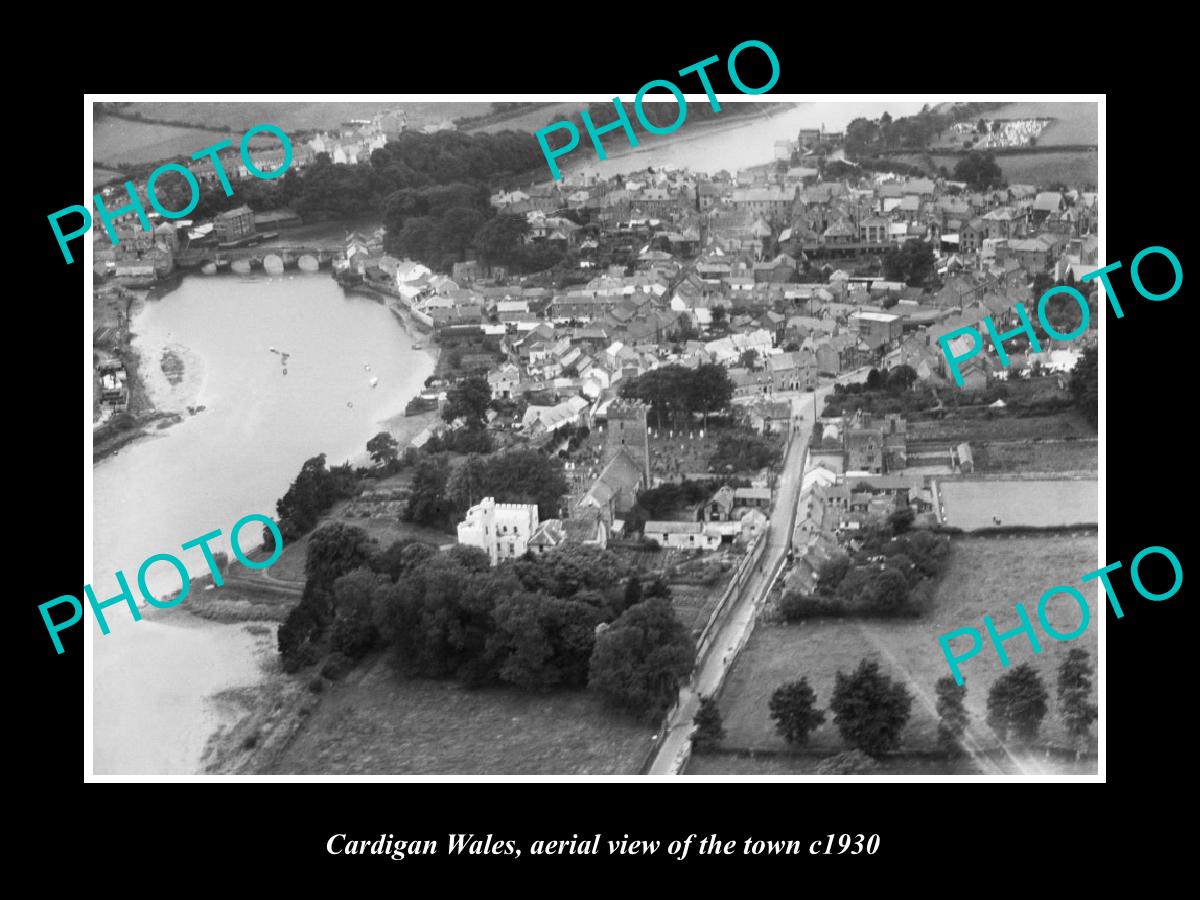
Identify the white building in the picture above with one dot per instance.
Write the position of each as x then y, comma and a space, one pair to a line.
684, 535
501, 530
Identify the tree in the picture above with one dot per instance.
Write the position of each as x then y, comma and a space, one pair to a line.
748, 359
901, 378
720, 318
641, 659
633, 592
901, 520
467, 485
874, 380
980, 171
981, 126
794, 708
870, 710
500, 239
333, 550
354, 633
912, 262
468, 399
544, 641
831, 573
401, 556
1016, 704
1084, 384
427, 503
308, 496
383, 448
709, 731
1075, 707
952, 714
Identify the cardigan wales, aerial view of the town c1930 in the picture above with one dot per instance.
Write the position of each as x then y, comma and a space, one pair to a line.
655, 469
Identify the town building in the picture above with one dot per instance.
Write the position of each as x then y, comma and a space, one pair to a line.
501, 530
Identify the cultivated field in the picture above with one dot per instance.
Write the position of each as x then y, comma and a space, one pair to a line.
986, 576
377, 723
1039, 504
122, 142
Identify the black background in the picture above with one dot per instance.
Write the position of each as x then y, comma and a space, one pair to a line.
960, 840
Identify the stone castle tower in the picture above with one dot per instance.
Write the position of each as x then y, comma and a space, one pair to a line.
627, 431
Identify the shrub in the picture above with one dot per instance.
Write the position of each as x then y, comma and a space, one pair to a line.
851, 762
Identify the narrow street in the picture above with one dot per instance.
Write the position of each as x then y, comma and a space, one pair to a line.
738, 618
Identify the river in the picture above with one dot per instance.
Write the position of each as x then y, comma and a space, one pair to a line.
737, 145
237, 456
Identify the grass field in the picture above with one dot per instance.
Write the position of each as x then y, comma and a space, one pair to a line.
532, 120
102, 176
986, 576
120, 141
377, 723
315, 116
1074, 168
972, 504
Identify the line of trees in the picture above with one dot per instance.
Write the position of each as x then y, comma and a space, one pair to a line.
574, 617
871, 710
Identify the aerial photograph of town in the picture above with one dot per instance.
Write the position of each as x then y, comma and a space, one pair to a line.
678, 464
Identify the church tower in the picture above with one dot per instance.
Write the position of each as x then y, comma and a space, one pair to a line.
627, 431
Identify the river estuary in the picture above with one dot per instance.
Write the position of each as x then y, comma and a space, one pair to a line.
237, 456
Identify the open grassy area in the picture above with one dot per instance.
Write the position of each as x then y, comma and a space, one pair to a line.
972, 504
314, 116
377, 723
120, 141
986, 576
102, 176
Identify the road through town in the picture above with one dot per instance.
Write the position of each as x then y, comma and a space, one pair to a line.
737, 620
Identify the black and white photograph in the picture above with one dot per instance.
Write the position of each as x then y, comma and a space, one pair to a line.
493, 437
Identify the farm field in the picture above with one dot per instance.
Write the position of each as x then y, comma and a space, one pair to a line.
1039, 504
531, 120
102, 176
1074, 168
315, 116
120, 141
985, 576
378, 723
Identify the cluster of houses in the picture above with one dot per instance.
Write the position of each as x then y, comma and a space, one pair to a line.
753, 272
